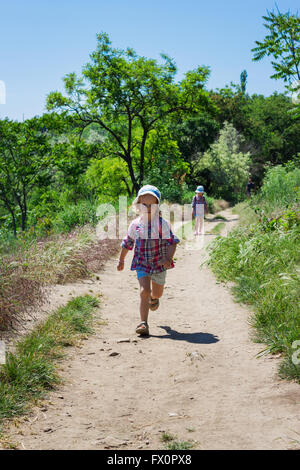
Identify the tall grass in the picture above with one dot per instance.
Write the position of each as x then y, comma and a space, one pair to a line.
263, 259
34, 265
246, 213
18, 294
281, 188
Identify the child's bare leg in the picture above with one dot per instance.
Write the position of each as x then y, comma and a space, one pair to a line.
156, 293
201, 230
197, 224
145, 292
157, 290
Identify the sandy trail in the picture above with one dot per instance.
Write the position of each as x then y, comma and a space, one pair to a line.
197, 375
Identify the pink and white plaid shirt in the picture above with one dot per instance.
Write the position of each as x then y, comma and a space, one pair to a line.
151, 240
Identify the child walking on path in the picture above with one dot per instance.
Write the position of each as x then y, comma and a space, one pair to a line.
200, 208
155, 245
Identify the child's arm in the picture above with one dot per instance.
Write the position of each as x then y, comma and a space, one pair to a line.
123, 253
205, 207
171, 248
126, 245
193, 206
170, 253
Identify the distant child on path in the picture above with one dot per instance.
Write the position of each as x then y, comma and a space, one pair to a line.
250, 187
155, 245
200, 208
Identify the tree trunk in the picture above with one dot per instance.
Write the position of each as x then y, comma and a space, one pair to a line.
142, 161
14, 224
135, 185
23, 222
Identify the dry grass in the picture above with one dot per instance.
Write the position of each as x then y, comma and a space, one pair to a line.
18, 295
26, 274
220, 205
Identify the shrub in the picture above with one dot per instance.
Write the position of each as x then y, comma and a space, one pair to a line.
281, 187
75, 215
228, 165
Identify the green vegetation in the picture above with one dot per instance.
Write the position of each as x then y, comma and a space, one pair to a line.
31, 371
262, 257
173, 444
126, 121
228, 164
166, 437
218, 228
180, 445
130, 98
30, 266
282, 42
246, 213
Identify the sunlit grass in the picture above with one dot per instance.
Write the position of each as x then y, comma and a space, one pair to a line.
264, 262
31, 371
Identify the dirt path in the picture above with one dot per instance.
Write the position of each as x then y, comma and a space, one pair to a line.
196, 376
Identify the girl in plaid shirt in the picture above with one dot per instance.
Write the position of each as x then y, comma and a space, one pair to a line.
155, 245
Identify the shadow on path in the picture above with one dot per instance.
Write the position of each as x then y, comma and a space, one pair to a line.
196, 338
221, 219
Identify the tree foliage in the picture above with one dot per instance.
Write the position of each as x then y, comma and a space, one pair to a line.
25, 154
227, 164
282, 43
128, 96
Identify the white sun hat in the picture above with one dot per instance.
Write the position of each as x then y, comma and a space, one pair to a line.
148, 189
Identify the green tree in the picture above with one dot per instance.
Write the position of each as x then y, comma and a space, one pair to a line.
282, 43
107, 178
243, 80
71, 160
272, 133
128, 96
227, 164
25, 155
194, 136
230, 103
165, 168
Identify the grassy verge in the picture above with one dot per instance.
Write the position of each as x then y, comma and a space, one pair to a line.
29, 373
246, 213
217, 229
263, 260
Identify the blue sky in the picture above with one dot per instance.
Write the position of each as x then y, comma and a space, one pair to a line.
43, 40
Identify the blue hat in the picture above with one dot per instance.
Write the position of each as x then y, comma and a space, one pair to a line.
148, 189
199, 189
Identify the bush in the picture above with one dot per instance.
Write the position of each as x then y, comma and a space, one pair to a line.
227, 164
187, 196
75, 215
281, 187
